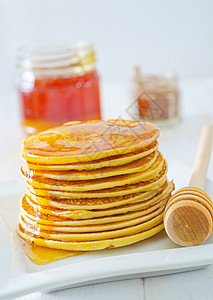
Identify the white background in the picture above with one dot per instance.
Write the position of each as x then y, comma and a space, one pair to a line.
159, 35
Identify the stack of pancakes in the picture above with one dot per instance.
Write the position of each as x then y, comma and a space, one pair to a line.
93, 185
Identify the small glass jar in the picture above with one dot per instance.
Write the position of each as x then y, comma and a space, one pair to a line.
158, 99
57, 84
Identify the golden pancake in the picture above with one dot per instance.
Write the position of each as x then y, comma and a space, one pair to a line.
104, 203
142, 186
111, 161
52, 221
86, 141
92, 236
91, 245
101, 183
102, 227
87, 214
124, 214
91, 203
42, 218
139, 165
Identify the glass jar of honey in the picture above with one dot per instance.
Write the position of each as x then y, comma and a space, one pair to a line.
56, 85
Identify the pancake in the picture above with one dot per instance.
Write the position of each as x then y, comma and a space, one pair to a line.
93, 185
111, 161
142, 186
93, 236
91, 245
86, 214
136, 218
104, 203
125, 213
49, 219
98, 184
139, 165
86, 141
30, 215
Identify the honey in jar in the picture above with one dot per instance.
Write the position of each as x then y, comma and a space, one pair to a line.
56, 85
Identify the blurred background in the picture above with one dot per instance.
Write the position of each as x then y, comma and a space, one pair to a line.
159, 36
165, 35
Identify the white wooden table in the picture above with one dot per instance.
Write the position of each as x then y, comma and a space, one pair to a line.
197, 105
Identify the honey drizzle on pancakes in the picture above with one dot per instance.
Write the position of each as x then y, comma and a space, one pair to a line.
91, 186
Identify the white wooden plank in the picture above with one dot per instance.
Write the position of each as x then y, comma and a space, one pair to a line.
119, 290
195, 285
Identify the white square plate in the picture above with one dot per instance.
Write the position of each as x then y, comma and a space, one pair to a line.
154, 256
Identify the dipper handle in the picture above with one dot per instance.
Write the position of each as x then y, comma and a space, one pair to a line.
198, 178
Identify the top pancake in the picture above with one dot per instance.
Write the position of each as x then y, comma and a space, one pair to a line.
86, 141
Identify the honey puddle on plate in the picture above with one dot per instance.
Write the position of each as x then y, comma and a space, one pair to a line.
42, 255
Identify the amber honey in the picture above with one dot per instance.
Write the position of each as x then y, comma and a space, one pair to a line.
56, 85
42, 255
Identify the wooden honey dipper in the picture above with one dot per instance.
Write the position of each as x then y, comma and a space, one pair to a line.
188, 216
